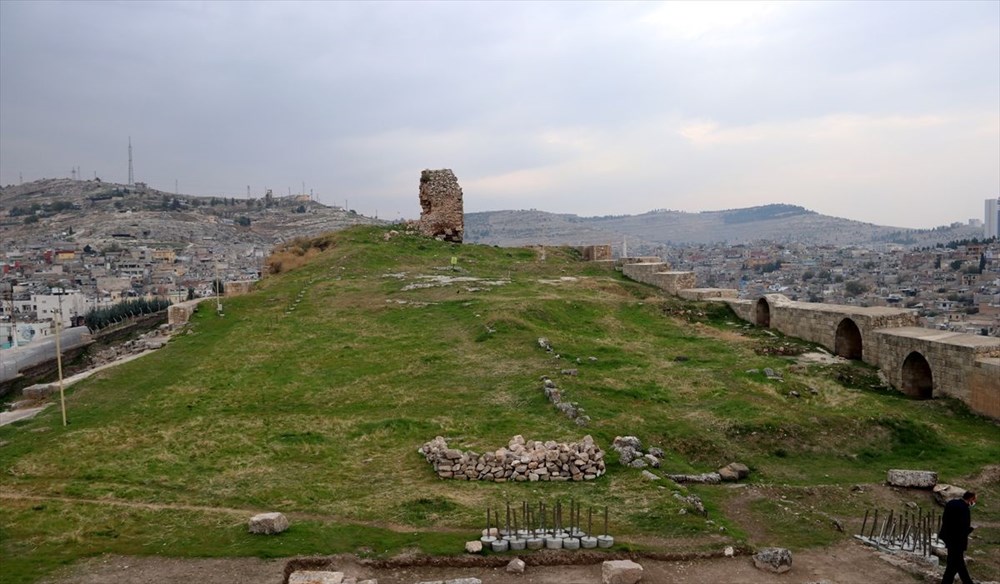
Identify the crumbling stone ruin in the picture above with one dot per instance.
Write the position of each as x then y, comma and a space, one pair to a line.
520, 461
442, 214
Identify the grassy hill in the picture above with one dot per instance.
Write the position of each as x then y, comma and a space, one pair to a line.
312, 395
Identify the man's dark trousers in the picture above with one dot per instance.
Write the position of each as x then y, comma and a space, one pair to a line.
956, 565
956, 524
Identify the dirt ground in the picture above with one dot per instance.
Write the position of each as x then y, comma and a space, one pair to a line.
842, 564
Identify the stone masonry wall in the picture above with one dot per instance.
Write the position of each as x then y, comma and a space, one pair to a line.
442, 214
818, 323
953, 364
520, 461
698, 294
655, 274
595, 253
984, 387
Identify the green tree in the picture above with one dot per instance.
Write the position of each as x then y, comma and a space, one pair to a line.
854, 288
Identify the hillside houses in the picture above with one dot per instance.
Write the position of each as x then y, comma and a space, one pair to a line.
954, 287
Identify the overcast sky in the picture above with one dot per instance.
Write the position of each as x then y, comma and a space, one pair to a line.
881, 112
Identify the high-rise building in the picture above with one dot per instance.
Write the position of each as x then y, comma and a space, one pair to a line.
991, 223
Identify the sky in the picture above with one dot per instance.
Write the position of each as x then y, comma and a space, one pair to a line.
886, 112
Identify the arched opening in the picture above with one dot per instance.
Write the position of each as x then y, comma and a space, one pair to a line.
763, 313
848, 341
918, 381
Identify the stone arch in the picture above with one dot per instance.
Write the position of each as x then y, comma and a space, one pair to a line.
918, 380
848, 342
762, 315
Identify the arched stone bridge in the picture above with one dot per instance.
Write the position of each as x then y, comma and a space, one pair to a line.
920, 362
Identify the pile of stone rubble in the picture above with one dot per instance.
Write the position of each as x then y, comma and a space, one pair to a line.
520, 461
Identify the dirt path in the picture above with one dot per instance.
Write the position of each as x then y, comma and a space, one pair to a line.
842, 564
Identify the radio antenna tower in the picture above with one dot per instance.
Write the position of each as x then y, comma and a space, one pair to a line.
131, 180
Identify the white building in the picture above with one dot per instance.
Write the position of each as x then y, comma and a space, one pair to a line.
991, 223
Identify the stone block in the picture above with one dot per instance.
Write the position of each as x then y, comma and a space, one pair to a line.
734, 471
777, 560
39, 391
315, 577
620, 572
515, 566
944, 492
268, 523
915, 479
474, 547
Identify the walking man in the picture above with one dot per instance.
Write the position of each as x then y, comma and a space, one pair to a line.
956, 525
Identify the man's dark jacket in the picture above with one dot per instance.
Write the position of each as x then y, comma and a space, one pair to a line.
956, 525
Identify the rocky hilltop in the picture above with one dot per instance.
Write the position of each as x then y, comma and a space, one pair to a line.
776, 223
92, 212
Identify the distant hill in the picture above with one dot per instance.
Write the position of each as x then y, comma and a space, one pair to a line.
777, 223
98, 213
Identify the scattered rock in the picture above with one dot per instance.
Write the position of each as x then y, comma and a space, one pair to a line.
620, 572
729, 551
794, 393
650, 476
315, 577
917, 479
544, 343
570, 372
777, 560
515, 566
39, 391
734, 471
474, 547
708, 478
944, 492
268, 523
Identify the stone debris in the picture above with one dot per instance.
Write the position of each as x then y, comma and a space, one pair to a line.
268, 523
707, 478
650, 476
944, 492
442, 213
917, 479
729, 551
620, 572
522, 460
39, 391
572, 410
777, 560
474, 547
630, 454
544, 343
693, 501
315, 577
454, 581
516, 566
734, 471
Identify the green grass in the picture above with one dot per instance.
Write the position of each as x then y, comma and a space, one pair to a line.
318, 412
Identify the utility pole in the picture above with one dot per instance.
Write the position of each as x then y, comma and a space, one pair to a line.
62, 394
218, 285
131, 178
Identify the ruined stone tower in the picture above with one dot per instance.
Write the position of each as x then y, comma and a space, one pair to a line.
441, 211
